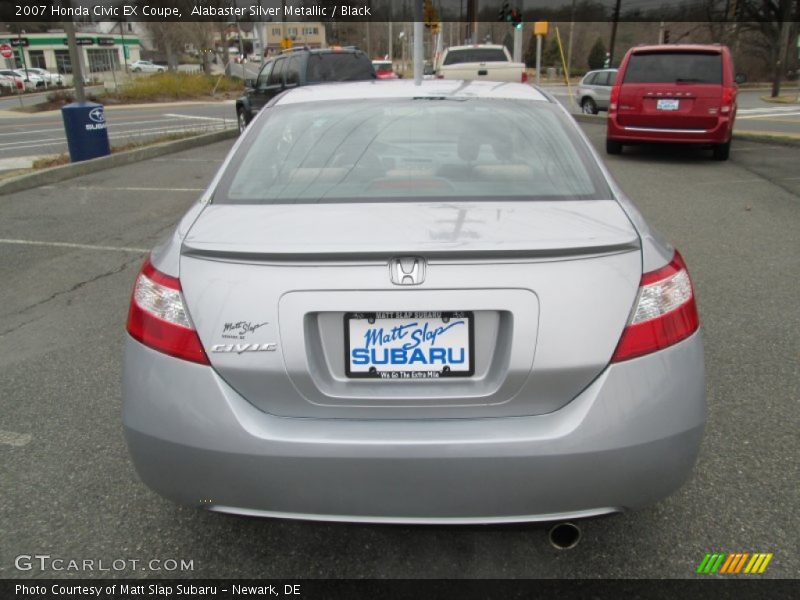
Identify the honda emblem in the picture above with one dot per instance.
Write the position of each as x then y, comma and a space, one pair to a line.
409, 270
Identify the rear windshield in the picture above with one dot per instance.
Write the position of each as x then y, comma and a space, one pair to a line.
382, 66
411, 149
339, 66
674, 67
475, 55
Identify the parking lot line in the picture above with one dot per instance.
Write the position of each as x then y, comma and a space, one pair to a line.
71, 245
10, 438
121, 189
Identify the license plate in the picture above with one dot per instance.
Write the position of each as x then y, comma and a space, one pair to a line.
409, 345
667, 104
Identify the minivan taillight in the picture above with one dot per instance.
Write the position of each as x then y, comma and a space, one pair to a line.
728, 95
613, 99
158, 317
665, 312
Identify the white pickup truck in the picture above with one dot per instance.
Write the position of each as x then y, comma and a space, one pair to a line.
481, 62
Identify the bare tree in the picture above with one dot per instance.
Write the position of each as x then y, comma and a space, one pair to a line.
773, 20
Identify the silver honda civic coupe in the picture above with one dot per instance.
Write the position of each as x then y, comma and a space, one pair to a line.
418, 304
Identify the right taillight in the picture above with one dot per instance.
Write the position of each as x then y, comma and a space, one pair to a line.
158, 317
665, 312
728, 96
613, 100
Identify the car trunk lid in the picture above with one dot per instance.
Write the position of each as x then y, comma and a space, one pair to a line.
548, 286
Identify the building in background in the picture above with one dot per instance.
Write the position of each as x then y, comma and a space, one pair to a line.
99, 52
309, 33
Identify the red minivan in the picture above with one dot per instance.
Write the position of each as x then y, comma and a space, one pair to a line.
673, 93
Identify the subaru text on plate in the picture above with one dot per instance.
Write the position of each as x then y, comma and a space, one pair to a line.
424, 304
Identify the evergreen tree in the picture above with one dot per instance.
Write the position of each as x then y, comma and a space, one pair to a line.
597, 55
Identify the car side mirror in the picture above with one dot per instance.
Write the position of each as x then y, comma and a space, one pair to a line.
740, 78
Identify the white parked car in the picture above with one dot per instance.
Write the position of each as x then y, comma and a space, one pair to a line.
50, 79
146, 66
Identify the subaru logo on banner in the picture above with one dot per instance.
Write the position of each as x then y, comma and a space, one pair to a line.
97, 115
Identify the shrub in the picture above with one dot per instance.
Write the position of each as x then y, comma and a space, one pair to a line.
175, 86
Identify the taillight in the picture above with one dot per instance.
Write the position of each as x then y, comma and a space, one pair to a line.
158, 316
665, 312
613, 100
524, 78
728, 95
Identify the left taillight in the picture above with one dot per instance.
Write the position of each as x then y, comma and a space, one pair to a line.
613, 99
665, 312
158, 317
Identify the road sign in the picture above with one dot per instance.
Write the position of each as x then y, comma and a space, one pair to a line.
540, 28
6, 51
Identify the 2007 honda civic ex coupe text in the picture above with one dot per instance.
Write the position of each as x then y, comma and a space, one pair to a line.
421, 304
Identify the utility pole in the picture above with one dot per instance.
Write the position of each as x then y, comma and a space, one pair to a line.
418, 42
74, 58
613, 34
661, 32
391, 39
571, 32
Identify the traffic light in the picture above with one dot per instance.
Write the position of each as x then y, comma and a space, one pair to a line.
430, 15
666, 36
516, 18
504, 14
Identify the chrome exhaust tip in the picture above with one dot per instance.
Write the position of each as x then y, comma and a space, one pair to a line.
564, 536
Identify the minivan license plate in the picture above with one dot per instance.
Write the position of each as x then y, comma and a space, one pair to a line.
409, 345
667, 104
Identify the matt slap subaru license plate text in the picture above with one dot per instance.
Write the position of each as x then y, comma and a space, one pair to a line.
409, 345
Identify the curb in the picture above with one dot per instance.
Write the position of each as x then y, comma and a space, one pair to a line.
63, 172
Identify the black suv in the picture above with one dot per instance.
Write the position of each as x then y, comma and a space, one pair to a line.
301, 66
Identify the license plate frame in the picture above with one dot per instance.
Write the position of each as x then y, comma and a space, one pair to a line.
668, 104
389, 317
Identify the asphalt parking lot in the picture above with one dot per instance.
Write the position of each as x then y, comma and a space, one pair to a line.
68, 257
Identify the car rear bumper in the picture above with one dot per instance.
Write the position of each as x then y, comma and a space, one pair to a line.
629, 439
719, 134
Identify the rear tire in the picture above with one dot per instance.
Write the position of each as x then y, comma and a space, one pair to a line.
241, 119
613, 146
722, 151
588, 107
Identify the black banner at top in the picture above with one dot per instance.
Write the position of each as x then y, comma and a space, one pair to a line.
20, 11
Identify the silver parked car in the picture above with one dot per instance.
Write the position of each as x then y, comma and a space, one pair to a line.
146, 66
594, 90
414, 304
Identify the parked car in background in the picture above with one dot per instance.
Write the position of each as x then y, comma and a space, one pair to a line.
482, 62
298, 67
146, 66
384, 69
674, 93
50, 79
414, 304
10, 84
30, 80
594, 90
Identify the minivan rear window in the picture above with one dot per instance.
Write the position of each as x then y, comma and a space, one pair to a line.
674, 67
